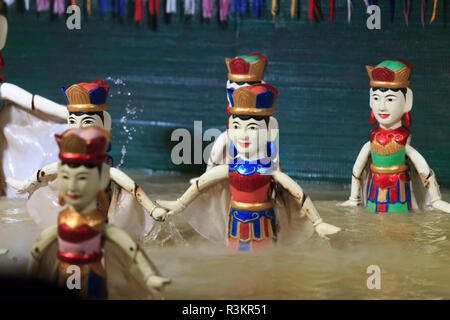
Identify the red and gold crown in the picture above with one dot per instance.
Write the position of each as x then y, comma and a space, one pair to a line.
390, 74
255, 100
246, 68
87, 97
86, 145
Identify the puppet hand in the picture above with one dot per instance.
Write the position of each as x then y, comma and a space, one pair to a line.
323, 229
174, 207
350, 203
20, 186
159, 214
156, 282
441, 205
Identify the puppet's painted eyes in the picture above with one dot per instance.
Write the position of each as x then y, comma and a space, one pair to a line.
235, 126
375, 98
88, 122
65, 177
390, 99
71, 121
252, 128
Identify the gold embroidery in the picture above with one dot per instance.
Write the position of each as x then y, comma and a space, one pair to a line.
94, 219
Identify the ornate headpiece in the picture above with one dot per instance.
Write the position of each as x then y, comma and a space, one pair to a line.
256, 100
390, 74
86, 145
87, 97
246, 68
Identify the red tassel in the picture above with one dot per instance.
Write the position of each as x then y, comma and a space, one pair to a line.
372, 119
138, 11
406, 119
153, 6
331, 2
312, 9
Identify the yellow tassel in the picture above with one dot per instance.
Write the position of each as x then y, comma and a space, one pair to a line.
274, 4
74, 2
434, 12
89, 7
292, 9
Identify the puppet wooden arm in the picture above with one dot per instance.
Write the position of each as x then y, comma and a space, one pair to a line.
128, 184
150, 275
28, 101
428, 179
358, 167
209, 178
42, 176
42, 242
218, 152
323, 229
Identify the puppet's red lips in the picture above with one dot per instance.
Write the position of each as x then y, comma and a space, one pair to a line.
384, 115
244, 144
73, 197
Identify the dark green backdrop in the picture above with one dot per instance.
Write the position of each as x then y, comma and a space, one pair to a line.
177, 75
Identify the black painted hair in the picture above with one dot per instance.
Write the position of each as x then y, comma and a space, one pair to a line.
90, 113
250, 83
90, 166
257, 118
404, 90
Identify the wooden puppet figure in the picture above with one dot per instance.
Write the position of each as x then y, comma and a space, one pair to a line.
389, 174
81, 229
247, 204
243, 71
87, 105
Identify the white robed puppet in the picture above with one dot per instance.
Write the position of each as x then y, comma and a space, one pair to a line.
247, 205
26, 142
87, 106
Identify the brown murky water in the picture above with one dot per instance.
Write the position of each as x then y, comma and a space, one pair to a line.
412, 252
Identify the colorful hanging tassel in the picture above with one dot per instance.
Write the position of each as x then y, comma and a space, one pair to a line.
257, 8
313, 10
27, 5
238, 6
42, 5
139, 10
392, 9
349, 11
103, 6
434, 11
224, 6
422, 12
189, 7
331, 4
293, 8
88, 7
153, 7
119, 7
58, 7
406, 9
274, 6
171, 6
207, 9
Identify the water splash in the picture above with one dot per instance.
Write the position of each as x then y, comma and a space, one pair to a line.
128, 119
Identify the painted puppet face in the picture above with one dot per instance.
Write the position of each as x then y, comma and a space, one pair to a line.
250, 137
79, 185
84, 120
388, 106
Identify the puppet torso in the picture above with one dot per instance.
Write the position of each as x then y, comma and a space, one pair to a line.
80, 244
388, 190
252, 218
